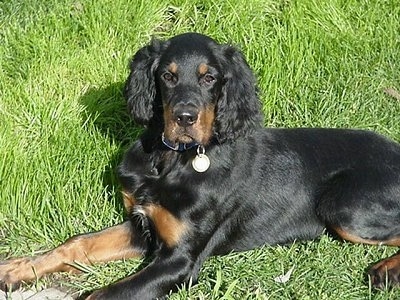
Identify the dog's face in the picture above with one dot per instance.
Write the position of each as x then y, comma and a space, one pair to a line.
190, 82
193, 89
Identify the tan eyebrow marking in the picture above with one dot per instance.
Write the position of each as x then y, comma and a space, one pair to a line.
172, 67
203, 69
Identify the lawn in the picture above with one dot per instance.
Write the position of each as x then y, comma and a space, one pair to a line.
64, 127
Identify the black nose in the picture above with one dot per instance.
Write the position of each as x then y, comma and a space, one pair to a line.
186, 119
186, 116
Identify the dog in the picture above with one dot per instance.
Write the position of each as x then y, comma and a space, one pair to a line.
206, 178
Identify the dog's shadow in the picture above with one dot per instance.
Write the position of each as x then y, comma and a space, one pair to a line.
105, 111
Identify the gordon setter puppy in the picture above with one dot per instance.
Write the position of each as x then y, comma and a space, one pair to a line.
206, 178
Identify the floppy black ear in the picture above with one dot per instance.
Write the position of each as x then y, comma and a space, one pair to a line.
140, 87
238, 109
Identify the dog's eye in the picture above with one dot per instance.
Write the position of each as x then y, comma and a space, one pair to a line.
168, 77
208, 78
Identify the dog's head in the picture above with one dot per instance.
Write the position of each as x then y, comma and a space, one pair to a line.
194, 88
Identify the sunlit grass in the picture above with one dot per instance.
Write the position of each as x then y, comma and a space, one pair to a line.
63, 124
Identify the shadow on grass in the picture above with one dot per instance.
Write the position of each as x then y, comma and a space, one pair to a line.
105, 109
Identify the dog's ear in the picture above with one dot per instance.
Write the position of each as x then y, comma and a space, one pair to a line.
238, 109
140, 88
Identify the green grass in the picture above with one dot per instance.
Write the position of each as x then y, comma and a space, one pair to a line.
63, 124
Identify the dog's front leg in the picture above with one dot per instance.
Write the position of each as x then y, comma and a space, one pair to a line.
117, 242
170, 268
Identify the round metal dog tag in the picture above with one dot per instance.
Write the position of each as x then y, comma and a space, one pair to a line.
201, 162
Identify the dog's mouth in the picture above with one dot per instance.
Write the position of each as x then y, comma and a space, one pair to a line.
186, 139
181, 138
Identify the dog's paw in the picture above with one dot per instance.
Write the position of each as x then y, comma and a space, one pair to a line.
386, 273
13, 271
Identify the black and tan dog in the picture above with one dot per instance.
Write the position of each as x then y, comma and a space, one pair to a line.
206, 178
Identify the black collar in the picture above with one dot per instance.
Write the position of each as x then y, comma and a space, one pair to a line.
180, 147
